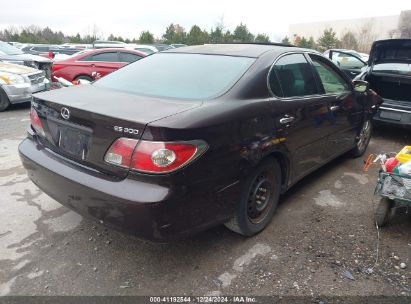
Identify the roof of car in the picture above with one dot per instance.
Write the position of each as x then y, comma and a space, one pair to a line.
241, 49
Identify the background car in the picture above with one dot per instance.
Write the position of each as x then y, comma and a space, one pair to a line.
162, 47
50, 51
18, 82
11, 54
103, 61
215, 139
38, 49
145, 48
362, 56
349, 61
177, 45
389, 74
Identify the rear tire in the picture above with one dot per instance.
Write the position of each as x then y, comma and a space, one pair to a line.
364, 139
383, 212
4, 101
259, 199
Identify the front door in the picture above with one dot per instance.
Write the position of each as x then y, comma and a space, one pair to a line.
299, 112
345, 112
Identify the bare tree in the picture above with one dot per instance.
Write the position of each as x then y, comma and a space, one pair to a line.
393, 33
404, 24
93, 33
348, 41
366, 36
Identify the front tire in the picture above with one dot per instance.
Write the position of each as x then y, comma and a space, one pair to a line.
259, 199
4, 101
364, 138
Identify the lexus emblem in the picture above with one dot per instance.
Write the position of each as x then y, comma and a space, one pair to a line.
65, 113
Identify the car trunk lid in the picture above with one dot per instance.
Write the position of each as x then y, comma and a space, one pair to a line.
391, 50
82, 125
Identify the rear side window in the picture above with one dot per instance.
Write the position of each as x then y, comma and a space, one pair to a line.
292, 76
107, 57
129, 57
332, 82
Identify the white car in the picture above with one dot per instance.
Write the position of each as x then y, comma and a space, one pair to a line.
362, 56
18, 82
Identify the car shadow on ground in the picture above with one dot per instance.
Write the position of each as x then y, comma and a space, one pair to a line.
19, 106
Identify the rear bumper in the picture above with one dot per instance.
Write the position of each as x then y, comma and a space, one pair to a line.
394, 113
148, 211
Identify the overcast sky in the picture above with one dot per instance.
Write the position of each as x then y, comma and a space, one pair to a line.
128, 18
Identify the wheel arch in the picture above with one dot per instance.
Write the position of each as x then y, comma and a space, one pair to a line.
82, 74
285, 166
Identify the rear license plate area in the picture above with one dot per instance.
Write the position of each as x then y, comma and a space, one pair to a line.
390, 115
74, 142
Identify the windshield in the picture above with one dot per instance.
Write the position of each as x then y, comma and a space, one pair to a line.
7, 49
182, 76
393, 68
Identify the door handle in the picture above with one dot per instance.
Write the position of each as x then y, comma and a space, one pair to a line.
286, 120
334, 108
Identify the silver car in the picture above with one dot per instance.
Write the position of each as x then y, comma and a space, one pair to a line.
18, 82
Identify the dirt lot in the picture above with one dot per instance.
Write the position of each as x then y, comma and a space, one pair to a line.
322, 241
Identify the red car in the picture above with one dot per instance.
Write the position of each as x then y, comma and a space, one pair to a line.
102, 61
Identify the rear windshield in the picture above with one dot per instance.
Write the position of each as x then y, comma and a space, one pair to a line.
182, 76
393, 68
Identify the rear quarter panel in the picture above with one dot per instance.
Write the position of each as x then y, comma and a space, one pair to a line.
239, 134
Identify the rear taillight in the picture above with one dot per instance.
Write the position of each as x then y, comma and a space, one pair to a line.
154, 157
120, 152
36, 122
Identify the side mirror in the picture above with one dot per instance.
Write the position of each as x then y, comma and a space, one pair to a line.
360, 86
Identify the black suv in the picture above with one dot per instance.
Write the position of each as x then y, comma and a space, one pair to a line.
195, 137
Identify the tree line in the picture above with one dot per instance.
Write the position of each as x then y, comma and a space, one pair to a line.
328, 40
174, 33
360, 40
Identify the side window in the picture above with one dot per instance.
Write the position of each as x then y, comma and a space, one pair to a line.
292, 76
330, 79
86, 58
107, 57
129, 57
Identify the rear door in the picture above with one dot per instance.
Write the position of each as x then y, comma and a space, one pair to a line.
344, 110
127, 57
106, 62
300, 113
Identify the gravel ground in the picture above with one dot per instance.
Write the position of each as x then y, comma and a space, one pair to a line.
322, 241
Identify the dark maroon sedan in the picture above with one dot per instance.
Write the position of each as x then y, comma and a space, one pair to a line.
191, 138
